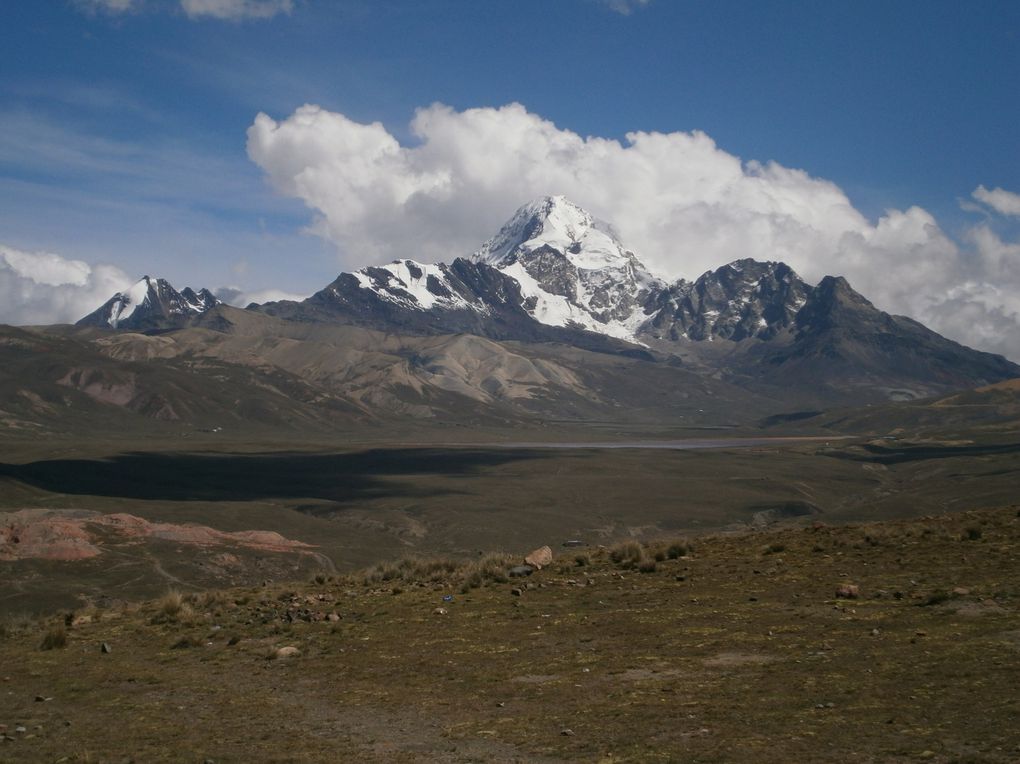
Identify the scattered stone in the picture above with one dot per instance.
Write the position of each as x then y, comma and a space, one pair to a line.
573, 543
681, 578
540, 557
287, 652
519, 571
875, 632
439, 611
961, 591
516, 592
233, 640
333, 617
567, 732
20, 729
41, 699
105, 648
848, 591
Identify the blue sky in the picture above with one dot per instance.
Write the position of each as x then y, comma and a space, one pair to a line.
124, 121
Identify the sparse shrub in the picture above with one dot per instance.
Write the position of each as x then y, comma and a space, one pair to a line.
489, 568
627, 553
582, 560
677, 549
171, 603
775, 548
320, 579
660, 555
55, 638
647, 565
411, 570
173, 607
973, 533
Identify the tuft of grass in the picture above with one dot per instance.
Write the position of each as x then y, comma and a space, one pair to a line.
412, 570
55, 638
489, 568
174, 607
627, 553
677, 549
171, 604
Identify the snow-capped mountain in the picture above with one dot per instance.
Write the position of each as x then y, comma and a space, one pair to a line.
150, 304
552, 262
553, 273
555, 264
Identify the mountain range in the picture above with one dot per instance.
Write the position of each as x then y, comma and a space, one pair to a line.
553, 318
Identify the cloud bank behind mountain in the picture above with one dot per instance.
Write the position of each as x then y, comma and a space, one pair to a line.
682, 203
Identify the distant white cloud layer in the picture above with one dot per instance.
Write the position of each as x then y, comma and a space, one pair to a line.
236, 10
625, 7
1003, 202
241, 298
106, 6
683, 204
44, 288
227, 10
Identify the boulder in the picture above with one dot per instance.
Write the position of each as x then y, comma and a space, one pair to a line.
540, 557
287, 652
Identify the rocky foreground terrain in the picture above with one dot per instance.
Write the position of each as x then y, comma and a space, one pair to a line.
896, 641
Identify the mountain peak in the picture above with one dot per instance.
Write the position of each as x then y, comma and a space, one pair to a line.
561, 225
150, 303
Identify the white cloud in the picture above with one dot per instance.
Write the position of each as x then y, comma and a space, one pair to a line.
241, 298
625, 7
236, 10
44, 288
1002, 201
228, 10
106, 6
683, 204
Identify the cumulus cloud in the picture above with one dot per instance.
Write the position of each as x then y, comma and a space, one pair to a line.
44, 288
236, 10
683, 204
1002, 201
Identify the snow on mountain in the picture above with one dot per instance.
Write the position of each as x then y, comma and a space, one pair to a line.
419, 286
572, 268
558, 223
746, 298
150, 303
